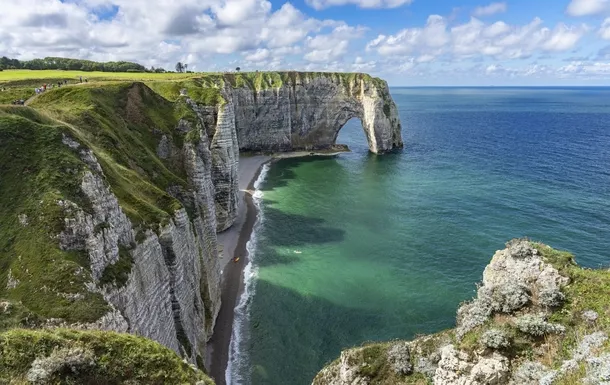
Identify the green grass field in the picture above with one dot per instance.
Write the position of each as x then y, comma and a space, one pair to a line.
20, 84
17, 75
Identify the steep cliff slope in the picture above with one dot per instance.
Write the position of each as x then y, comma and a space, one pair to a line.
108, 220
538, 319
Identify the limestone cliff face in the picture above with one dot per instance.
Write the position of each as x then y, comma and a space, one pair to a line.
171, 293
307, 110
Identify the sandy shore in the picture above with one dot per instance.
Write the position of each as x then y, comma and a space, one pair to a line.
233, 242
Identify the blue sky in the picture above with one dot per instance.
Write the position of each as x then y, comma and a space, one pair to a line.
407, 42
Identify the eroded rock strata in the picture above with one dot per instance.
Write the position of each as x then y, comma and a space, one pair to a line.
308, 110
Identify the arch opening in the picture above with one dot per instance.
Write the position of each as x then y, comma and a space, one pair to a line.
352, 135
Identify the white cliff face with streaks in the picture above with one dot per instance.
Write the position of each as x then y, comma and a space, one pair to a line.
172, 293
307, 111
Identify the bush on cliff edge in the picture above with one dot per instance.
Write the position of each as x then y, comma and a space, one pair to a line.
90, 357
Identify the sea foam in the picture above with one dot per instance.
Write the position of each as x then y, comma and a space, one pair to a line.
237, 364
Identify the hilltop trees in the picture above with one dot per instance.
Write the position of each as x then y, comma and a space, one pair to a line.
59, 63
181, 67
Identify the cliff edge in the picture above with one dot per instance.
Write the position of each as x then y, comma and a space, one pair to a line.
538, 319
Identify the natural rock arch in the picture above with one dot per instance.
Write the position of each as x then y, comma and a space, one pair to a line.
309, 109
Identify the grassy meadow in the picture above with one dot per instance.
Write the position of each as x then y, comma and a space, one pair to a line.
20, 75
20, 84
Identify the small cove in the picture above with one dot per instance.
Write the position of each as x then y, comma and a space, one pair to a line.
360, 247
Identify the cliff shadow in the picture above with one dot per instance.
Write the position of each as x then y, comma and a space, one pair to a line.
289, 230
282, 171
294, 335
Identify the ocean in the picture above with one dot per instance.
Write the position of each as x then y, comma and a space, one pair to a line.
359, 247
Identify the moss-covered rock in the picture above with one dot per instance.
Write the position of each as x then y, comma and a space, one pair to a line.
90, 357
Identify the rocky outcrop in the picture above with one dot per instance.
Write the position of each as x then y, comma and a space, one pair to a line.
529, 324
305, 111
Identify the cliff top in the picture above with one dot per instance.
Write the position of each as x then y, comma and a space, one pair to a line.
538, 318
20, 84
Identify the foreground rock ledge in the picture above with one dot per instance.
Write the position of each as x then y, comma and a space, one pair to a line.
538, 318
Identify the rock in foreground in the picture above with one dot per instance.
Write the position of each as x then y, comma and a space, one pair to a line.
538, 318
90, 357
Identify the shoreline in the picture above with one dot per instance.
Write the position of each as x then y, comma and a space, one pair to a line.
233, 242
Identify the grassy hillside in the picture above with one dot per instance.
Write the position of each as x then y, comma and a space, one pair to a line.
17, 75
38, 170
90, 357
202, 87
122, 123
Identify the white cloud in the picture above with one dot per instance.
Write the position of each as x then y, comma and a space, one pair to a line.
587, 7
563, 38
322, 4
161, 32
490, 9
585, 70
497, 70
332, 46
477, 39
259, 55
604, 31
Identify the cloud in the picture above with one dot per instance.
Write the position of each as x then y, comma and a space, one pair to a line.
499, 40
258, 55
490, 9
161, 32
322, 4
604, 30
585, 70
587, 7
332, 46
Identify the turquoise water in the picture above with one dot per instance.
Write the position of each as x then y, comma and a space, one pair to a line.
361, 247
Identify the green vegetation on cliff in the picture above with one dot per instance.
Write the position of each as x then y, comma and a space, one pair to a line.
122, 123
90, 357
37, 171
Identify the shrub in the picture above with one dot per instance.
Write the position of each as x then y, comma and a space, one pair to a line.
495, 339
536, 325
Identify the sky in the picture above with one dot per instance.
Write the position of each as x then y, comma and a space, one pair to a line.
406, 42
